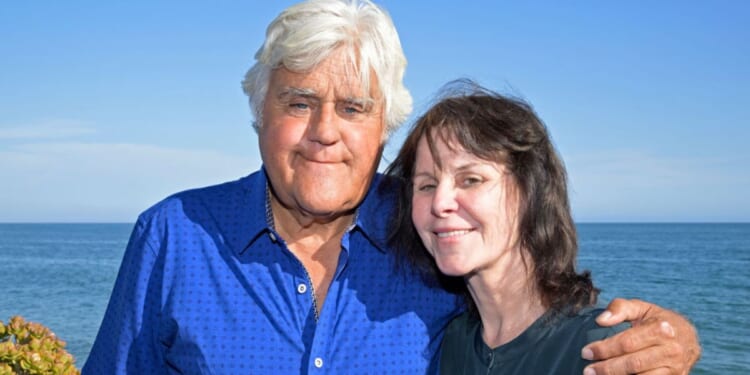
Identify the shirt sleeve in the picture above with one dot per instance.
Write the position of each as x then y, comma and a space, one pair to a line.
127, 342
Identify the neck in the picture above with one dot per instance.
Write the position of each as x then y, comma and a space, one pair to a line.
299, 227
316, 242
507, 299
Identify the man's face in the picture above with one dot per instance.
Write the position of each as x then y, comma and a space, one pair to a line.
321, 137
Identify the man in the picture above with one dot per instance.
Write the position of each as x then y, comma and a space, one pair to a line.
285, 271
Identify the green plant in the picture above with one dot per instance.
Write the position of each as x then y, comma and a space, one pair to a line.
28, 348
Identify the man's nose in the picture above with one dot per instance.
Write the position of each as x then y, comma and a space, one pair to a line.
324, 125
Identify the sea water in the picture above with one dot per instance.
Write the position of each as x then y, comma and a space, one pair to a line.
61, 275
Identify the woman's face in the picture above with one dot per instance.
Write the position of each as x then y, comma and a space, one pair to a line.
464, 212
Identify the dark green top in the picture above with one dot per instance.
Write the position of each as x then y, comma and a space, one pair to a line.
551, 345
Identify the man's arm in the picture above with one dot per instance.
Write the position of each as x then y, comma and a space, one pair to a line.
126, 341
660, 341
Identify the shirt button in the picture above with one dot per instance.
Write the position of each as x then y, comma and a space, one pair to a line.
301, 288
318, 362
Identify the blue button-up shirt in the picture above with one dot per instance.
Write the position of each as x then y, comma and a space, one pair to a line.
207, 286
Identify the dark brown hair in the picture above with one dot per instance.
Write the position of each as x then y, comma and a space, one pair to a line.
506, 130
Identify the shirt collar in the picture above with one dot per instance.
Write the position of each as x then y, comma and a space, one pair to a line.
374, 214
253, 217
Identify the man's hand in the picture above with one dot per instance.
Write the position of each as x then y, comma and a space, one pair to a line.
660, 342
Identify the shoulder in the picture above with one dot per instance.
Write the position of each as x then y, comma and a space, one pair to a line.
214, 194
461, 330
223, 194
211, 205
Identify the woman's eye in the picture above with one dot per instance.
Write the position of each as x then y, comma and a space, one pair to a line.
426, 187
471, 181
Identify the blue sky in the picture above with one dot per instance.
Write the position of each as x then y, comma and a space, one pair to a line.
108, 107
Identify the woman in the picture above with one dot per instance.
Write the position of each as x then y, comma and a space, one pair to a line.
485, 192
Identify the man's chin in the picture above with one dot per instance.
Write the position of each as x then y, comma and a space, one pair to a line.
328, 211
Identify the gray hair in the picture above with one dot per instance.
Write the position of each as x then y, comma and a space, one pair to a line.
305, 34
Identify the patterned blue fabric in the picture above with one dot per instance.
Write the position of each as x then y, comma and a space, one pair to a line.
207, 286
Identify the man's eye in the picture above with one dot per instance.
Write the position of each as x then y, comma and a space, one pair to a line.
351, 110
299, 105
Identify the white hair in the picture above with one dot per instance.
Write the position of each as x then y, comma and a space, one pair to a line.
307, 33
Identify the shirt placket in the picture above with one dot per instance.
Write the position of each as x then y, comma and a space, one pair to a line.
323, 335
322, 350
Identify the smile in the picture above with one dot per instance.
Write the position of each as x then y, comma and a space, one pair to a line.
453, 233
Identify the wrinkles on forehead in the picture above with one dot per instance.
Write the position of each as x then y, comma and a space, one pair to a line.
338, 71
348, 63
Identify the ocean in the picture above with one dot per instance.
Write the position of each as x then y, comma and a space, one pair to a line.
61, 275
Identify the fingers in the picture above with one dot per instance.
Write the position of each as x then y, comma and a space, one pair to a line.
659, 371
660, 341
648, 361
646, 335
620, 310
